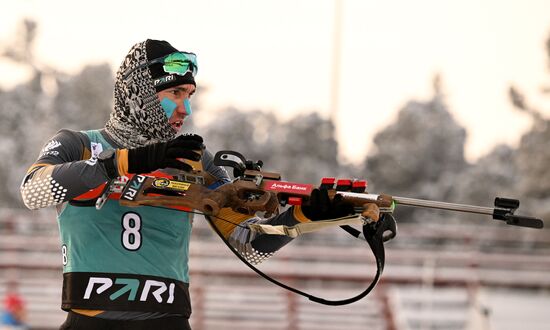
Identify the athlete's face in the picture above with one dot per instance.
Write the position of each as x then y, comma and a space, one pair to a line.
175, 102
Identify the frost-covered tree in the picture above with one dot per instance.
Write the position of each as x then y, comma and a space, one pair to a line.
84, 101
533, 154
250, 133
34, 110
302, 149
411, 156
307, 149
422, 145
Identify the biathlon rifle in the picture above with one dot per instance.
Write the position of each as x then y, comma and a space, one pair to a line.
254, 190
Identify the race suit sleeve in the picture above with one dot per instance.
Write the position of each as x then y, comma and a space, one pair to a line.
218, 172
253, 246
64, 170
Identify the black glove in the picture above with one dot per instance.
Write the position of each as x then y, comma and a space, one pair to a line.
164, 154
320, 206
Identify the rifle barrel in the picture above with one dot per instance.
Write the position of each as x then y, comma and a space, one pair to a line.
443, 205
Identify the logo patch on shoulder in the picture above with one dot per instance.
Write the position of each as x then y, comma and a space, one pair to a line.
49, 148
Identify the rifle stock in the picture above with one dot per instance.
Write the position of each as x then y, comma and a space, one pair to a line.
147, 190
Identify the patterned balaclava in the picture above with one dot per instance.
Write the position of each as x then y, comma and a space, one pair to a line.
138, 118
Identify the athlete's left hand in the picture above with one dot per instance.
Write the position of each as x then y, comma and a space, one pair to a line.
321, 207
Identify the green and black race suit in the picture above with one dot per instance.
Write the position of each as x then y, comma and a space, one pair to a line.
121, 262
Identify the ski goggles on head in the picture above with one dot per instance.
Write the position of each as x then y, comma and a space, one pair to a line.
179, 63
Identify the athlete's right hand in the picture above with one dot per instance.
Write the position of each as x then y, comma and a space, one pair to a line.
165, 154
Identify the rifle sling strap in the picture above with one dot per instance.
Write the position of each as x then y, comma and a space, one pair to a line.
375, 234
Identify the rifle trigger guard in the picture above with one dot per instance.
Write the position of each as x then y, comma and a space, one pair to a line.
245, 197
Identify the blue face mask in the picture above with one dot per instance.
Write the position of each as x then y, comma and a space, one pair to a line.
170, 106
187, 106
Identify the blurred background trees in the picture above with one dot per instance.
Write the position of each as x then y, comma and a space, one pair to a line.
33, 111
420, 154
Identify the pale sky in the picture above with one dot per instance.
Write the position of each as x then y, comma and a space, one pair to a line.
277, 55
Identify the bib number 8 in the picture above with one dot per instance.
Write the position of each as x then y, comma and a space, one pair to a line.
131, 231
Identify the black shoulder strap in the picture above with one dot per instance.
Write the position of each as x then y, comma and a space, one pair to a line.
375, 234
